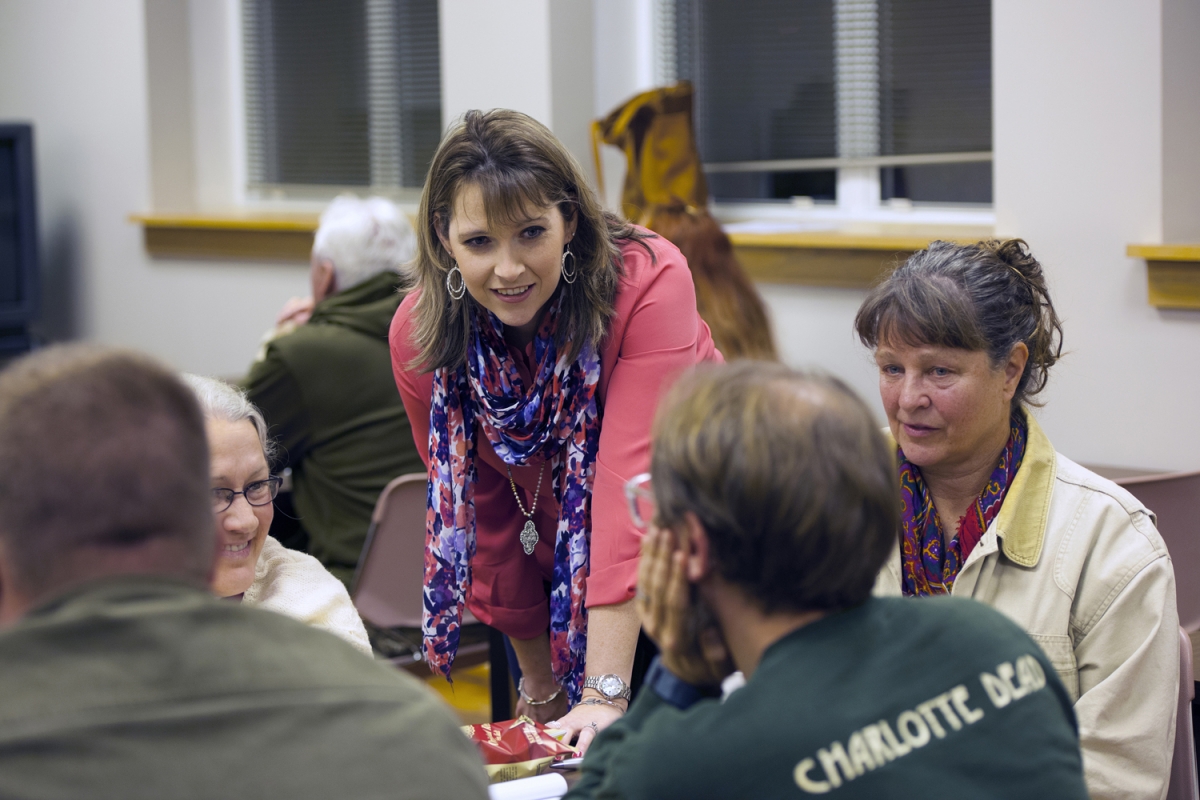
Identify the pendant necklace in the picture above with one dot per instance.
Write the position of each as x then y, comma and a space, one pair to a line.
529, 534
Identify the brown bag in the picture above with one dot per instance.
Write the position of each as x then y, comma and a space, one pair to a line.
654, 129
665, 191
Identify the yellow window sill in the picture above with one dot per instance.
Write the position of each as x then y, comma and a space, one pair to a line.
275, 236
855, 257
1172, 274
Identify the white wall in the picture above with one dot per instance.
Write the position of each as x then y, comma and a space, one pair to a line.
1080, 174
1181, 120
77, 70
814, 330
218, 134
533, 56
1087, 126
495, 55
623, 57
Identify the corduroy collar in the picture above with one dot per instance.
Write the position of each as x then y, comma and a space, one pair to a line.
1021, 523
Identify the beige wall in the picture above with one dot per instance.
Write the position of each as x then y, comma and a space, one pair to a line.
1089, 110
534, 56
77, 70
1080, 171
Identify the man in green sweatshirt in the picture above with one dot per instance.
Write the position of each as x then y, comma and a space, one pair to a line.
121, 676
324, 381
771, 504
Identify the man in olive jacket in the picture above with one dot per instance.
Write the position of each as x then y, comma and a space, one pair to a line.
121, 676
324, 382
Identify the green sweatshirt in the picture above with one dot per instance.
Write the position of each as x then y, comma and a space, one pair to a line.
327, 392
141, 687
897, 698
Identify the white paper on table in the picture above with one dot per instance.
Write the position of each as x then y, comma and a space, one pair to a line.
733, 681
550, 786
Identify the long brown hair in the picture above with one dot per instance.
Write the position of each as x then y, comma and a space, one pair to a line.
518, 165
725, 297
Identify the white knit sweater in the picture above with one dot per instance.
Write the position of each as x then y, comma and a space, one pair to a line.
294, 583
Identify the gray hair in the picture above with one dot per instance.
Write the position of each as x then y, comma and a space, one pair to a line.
363, 238
220, 400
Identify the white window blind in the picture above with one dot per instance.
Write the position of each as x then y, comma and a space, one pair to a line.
788, 92
341, 94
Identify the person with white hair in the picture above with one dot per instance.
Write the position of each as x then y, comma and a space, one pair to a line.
324, 385
356, 239
251, 565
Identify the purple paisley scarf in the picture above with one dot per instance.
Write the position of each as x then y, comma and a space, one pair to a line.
555, 418
928, 566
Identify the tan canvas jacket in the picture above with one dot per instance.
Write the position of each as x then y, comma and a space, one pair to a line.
1078, 563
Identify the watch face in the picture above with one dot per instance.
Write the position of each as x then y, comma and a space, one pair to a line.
611, 685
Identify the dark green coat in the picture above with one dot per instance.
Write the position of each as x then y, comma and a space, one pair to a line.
327, 392
141, 687
886, 700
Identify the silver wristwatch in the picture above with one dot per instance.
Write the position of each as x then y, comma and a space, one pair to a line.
611, 686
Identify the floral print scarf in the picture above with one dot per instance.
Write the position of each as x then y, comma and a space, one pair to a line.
927, 566
555, 418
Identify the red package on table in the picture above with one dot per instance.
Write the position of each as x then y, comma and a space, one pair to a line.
516, 740
517, 748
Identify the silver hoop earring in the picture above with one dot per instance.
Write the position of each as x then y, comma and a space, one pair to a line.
568, 273
456, 292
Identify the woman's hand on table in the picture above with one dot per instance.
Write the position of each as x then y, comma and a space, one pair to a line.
687, 636
588, 719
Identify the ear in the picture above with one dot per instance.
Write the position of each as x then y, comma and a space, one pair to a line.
1014, 368
13, 604
442, 237
324, 279
695, 545
570, 226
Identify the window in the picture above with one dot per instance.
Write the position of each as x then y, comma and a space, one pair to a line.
340, 94
861, 102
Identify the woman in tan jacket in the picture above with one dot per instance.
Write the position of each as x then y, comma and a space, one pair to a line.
964, 336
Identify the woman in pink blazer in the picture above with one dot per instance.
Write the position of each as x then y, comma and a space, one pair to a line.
530, 358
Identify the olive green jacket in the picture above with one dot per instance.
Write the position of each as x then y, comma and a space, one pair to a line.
327, 392
148, 688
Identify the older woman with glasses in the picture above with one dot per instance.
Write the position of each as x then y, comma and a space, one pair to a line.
251, 566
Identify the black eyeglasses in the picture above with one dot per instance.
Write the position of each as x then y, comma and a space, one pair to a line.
259, 493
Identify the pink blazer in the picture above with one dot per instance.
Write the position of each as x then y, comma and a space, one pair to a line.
655, 335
